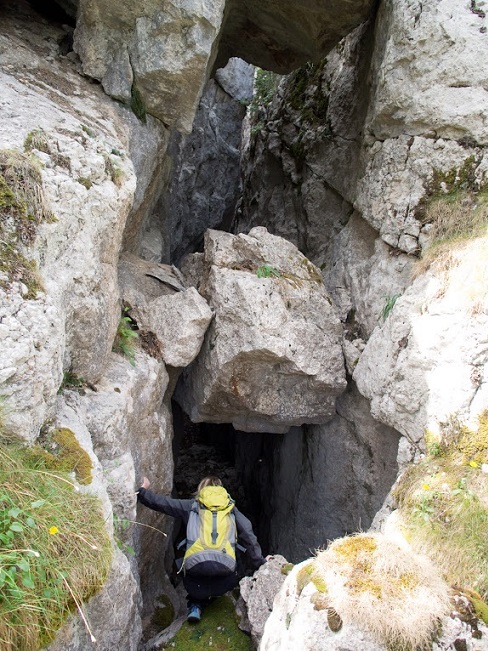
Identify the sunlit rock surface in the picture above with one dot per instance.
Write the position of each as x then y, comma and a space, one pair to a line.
272, 356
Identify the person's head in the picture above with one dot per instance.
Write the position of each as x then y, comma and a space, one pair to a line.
207, 481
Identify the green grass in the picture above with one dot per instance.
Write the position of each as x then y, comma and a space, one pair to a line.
267, 271
389, 304
217, 630
444, 502
54, 550
125, 338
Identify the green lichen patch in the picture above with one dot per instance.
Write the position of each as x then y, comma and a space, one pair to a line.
59, 450
22, 209
309, 573
217, 630
287, 568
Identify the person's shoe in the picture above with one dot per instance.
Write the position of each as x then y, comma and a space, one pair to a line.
194, 614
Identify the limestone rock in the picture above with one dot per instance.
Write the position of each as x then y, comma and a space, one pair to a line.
295, 624
397, 173
272, 357
72, 324
131, 430
429, 359
205, 182
257, 594
237, 79
410, 95
178, 317
170, 47
284, 36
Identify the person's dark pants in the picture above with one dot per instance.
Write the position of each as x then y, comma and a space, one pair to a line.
203, 589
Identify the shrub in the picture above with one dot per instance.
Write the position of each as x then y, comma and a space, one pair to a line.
54, 550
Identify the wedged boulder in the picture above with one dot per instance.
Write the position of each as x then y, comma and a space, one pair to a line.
283, 36
272, 357
156, 54
161, 305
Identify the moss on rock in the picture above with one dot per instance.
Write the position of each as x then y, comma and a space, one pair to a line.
218, 630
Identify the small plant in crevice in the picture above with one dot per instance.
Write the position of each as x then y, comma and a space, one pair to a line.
126, 336
389, 304
267, 271
55, 552
36, 139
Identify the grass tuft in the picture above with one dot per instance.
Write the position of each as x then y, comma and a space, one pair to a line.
455, 218
126, 336
443, 501
378, 586
54, 550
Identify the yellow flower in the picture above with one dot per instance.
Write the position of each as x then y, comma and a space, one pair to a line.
53, 530
473, 464
426, 487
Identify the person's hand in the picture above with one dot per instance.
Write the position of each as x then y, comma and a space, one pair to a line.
145, 482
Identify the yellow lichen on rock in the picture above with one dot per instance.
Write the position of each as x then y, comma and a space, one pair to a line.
379, 586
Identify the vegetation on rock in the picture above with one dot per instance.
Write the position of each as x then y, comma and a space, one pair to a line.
375, 584
54, 550
443, 501
456, 208
125, 338
22, 209
218, 630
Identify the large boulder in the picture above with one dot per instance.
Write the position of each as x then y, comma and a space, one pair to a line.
155, 54
272, 357
173, 317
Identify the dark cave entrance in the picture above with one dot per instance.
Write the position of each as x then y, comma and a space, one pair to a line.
300, 489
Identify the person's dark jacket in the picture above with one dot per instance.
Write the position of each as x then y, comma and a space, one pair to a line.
181, 509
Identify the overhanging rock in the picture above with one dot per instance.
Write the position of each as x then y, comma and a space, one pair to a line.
272, 356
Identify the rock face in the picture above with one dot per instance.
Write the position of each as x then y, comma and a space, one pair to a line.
72, 324
257, 594
361, 162
428, 361
283, 36
272, 356
205, 180
152, 53
162, 54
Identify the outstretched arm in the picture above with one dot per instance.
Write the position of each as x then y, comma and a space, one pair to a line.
249, 540
162, 503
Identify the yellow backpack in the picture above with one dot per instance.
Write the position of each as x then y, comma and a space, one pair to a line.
211, 534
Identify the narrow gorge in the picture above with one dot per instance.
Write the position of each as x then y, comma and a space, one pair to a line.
247, 240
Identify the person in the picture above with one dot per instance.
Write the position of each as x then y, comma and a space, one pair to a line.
201, 590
